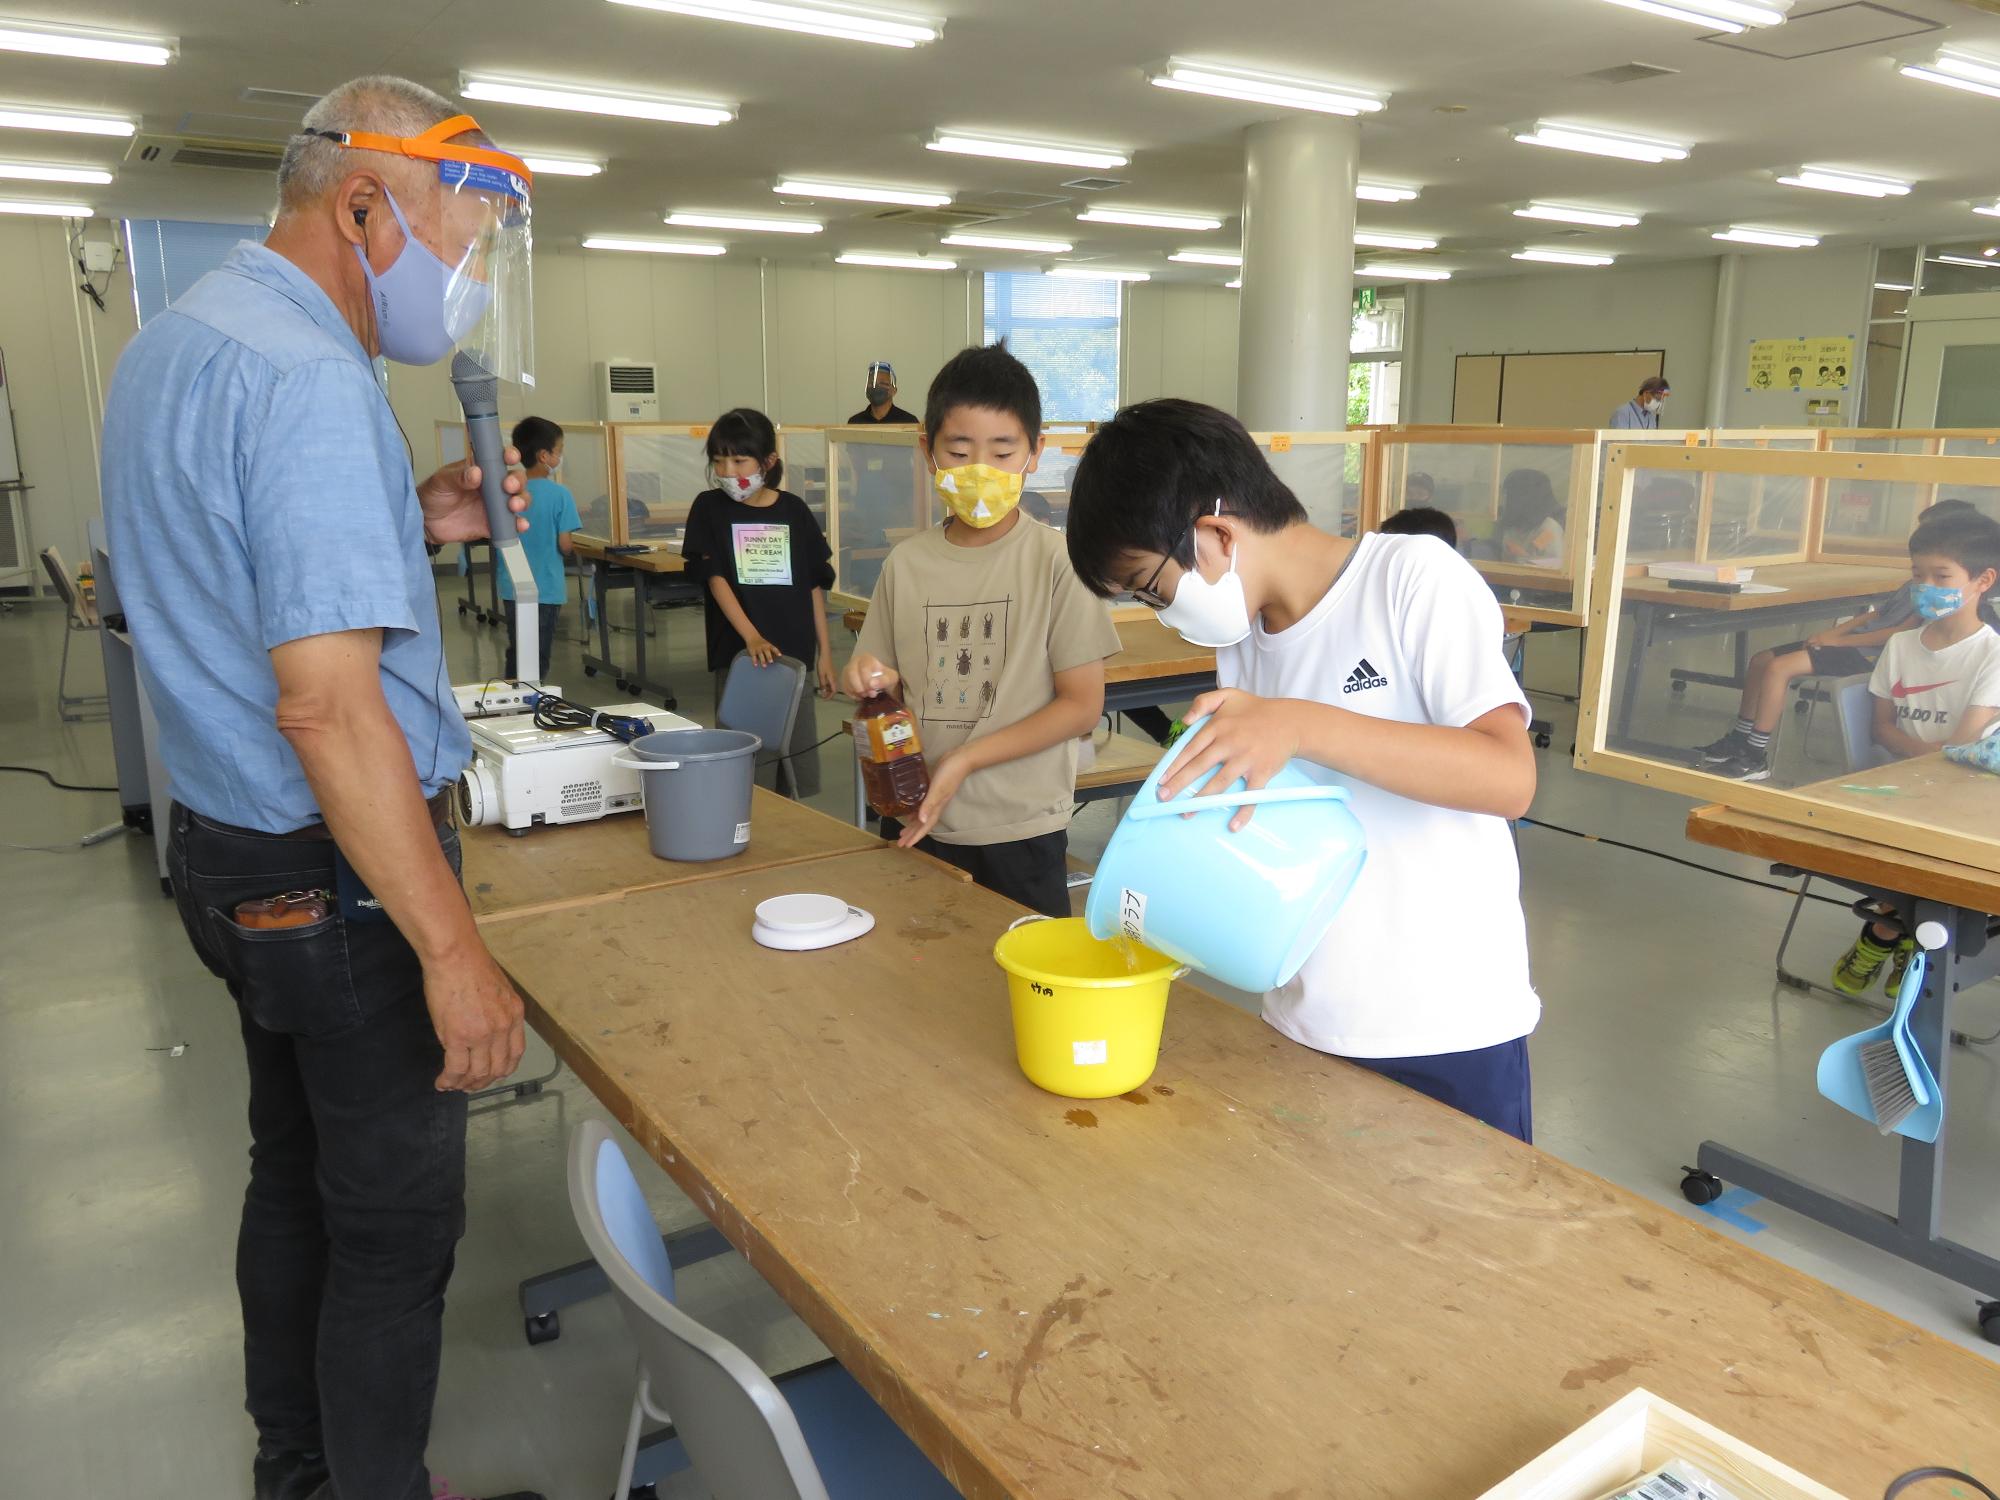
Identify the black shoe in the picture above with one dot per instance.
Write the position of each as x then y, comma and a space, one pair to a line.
1751, 765
283, 1474
1727, 748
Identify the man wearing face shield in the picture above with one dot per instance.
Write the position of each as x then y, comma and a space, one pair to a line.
881, 410
269, 536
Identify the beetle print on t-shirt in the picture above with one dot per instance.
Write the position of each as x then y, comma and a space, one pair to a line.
968, 652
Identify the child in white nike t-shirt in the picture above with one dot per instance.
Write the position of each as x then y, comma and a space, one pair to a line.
1371, 661
1938, 685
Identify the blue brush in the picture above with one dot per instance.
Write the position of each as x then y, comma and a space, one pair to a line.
1882, 1076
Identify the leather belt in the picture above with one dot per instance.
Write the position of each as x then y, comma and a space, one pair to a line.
439, 804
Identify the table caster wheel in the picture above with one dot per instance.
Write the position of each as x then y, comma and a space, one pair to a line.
463, 606
544, 1328
1680, 688
1541, 742
672, 703
589, 671
1700, 1188
1989, 1321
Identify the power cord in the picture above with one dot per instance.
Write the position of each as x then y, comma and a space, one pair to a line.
110, 831
61, 786
552, 712
1675, 859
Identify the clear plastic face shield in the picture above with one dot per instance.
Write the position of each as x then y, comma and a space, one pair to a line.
461, 279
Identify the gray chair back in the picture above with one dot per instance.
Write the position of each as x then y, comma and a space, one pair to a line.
766, 702
740, 1433
1857, 724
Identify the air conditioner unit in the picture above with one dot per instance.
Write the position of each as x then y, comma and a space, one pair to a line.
628, 392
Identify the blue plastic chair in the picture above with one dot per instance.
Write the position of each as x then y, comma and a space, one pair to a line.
819, 1437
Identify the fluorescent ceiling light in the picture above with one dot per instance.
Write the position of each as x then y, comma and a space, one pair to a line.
562, 166
1374, 240
1265, 88
1776, 237
1146, 218
842, 22
86, 42
590, 101
24, 171
1991, 210
15, 117
1964, 260
1854, 184
651, 247
1594, 142
1959, 70
1098, 273
1565, 257
1385, 192
1893, 286
858, 192
1402, 273
1008, 242
1206, 258
1099, 157
681, 219
58, 210
1722, 15
1233, 286
895, 262
1600, 218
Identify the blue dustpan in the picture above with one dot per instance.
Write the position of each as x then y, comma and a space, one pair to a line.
1843, 1080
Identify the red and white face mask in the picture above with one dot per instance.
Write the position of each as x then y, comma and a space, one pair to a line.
740, 486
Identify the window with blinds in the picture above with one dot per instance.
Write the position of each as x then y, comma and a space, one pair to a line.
1066, 332
168, 256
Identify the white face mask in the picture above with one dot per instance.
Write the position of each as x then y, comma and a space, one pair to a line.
1651, 406
740, 486
1209, 614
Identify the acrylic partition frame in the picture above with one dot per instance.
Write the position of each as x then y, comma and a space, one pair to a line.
1852, 530
586, 467
1926, 806
1469, 469
1332, 473
657, 468
878, 492
802, 450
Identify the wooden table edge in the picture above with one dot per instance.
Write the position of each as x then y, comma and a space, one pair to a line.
1839, 856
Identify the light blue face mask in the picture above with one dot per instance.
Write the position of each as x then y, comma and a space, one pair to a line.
420, 315
1934, 601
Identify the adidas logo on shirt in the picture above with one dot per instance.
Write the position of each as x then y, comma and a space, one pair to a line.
1363, 677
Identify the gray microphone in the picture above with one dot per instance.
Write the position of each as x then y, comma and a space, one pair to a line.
479, 396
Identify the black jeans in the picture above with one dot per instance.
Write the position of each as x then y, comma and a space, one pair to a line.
1034, 872
357, 1164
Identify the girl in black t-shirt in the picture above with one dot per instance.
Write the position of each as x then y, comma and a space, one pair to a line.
764, 565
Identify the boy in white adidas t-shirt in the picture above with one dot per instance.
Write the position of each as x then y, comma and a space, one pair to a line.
1937, 685
1372, 659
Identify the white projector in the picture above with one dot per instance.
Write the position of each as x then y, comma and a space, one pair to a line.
486, 700
522, 775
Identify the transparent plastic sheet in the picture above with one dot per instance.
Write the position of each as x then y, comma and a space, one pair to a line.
883, 495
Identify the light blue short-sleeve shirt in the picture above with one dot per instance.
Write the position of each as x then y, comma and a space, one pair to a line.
551, 513
257, 490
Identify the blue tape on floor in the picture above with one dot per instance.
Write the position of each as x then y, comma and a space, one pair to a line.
1729, 1208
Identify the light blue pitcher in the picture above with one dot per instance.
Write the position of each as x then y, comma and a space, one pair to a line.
1246, 908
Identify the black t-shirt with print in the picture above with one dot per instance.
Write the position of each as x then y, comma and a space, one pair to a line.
894, 416
773, 556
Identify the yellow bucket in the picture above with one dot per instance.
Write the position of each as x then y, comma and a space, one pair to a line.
1087, 1014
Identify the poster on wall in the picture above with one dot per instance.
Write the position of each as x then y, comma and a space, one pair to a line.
1802, 364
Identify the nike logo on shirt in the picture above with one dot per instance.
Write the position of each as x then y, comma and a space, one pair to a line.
1899, 690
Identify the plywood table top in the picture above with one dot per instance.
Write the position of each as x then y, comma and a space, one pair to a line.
1803, 583
659, 557
1151, 650
1266, 1273
505, 876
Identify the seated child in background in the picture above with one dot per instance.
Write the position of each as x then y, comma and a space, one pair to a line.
552, 520
765, 568
1938, 685
998, 649
1529, 529
1849, 649
1370, 662
1422, 520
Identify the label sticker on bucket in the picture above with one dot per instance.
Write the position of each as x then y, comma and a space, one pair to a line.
1132, 914
742, 833
1089, 1054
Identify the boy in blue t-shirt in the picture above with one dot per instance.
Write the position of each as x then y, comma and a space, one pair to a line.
552, 519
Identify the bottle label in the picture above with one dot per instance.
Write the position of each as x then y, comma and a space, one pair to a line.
891, 736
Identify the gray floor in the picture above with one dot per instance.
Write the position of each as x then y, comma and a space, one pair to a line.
121, 1161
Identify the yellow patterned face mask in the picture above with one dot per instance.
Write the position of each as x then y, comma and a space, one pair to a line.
978, 494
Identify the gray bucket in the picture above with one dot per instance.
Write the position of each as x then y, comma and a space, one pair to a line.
697, 790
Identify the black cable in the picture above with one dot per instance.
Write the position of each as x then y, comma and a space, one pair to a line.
552, 712
1920, 1476
1692, 864
838, 734
65, 786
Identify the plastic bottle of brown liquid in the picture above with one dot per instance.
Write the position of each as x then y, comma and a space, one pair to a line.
892, 756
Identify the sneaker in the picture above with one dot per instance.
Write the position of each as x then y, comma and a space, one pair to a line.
1858, 966
1899, 965
282, 1474
1727, 748
1746, 765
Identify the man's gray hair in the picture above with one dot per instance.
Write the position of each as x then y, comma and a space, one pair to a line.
383, 103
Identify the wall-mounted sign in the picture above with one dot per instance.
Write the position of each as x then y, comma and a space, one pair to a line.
1822, 364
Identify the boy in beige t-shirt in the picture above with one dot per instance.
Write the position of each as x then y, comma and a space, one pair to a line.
995, 644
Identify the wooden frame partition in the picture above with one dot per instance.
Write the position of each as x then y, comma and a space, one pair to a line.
628, 442
1286, 453
899, 508
1922, 811
586, 465
1831, 544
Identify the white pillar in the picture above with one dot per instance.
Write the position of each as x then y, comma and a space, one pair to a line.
1297, 311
